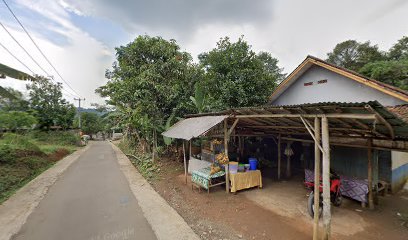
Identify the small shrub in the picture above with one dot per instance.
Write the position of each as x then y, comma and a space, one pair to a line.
7, 154
34, 162
21, 142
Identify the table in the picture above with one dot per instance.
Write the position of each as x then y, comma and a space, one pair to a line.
202, 178
244, 180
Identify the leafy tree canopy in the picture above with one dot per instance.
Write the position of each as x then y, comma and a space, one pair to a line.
50, 108
236, 76
400, 50
14, 120
150, 79
353, 55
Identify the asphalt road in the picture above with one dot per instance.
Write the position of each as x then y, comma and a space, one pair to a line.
91, 201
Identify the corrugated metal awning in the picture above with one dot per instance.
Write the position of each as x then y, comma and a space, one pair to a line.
193, 127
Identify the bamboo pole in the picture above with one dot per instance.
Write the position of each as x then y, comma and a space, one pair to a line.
316, 179
326, 179
279, 156
191, 140
370, 174
226, 153
185, 162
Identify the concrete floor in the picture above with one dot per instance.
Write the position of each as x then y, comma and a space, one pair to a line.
91, 200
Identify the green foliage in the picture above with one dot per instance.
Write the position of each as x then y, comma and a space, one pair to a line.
150, 79
143, 162
200, 99
7, 154
236, 76
13, 120
400, 50
55, 137
168, 141
23, 157
389, 67
19, 142
91, 123
392, 72
353, 55
16, 103
50, 108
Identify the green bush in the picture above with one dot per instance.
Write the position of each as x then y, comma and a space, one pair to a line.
57, 137
34, 162
7, 154
20, 142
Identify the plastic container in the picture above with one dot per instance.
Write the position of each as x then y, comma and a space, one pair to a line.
241, 167
233, 167
247, 167
253, 163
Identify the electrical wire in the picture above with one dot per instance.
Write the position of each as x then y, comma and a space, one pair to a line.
32, 72
38, 48
14, 56
18, 43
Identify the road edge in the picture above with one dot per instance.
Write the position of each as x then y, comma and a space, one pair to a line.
15, 210
166, 223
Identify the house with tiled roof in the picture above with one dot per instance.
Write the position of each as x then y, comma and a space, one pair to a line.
317, 81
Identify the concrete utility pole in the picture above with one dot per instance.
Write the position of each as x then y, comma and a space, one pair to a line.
79, 106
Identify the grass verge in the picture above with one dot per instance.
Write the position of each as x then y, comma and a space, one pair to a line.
142, 161
24, 157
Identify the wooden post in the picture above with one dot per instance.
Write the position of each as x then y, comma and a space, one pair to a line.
191, 140
370, 174
227, 183
279, 156
288, 170
185, 161
326, 179
316, 179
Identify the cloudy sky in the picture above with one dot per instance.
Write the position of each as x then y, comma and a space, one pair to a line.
79, 36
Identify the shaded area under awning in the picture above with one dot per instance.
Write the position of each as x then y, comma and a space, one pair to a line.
193, 127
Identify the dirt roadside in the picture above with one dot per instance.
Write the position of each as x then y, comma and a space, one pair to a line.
221, 216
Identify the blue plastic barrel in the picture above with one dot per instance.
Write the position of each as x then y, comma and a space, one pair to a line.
253, 163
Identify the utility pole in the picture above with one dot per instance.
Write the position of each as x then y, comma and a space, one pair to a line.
79, 106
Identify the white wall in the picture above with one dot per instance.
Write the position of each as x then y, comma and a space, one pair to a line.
399, 159
337, 89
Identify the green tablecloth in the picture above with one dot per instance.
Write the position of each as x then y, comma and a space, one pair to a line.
203, 178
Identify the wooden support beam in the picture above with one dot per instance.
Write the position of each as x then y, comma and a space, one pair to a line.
185, 161
328, 115
381, 119
233, 126
311, 134
226, 137
326, 179
316, 179
279, 155
370, 174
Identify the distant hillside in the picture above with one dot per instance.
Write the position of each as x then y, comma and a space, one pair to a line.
91, 110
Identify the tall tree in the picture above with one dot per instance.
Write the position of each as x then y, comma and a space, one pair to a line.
353, 55
150, 79
50, 107
400, 50
15, 102
392, 72
236, 76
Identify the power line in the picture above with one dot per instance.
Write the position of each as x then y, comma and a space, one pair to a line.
38, 48
18, 43
22, 63
16, 58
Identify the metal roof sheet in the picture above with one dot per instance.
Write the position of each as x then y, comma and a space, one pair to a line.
193, 127
399, 126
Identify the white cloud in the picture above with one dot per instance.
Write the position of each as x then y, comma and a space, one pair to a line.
81, 62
